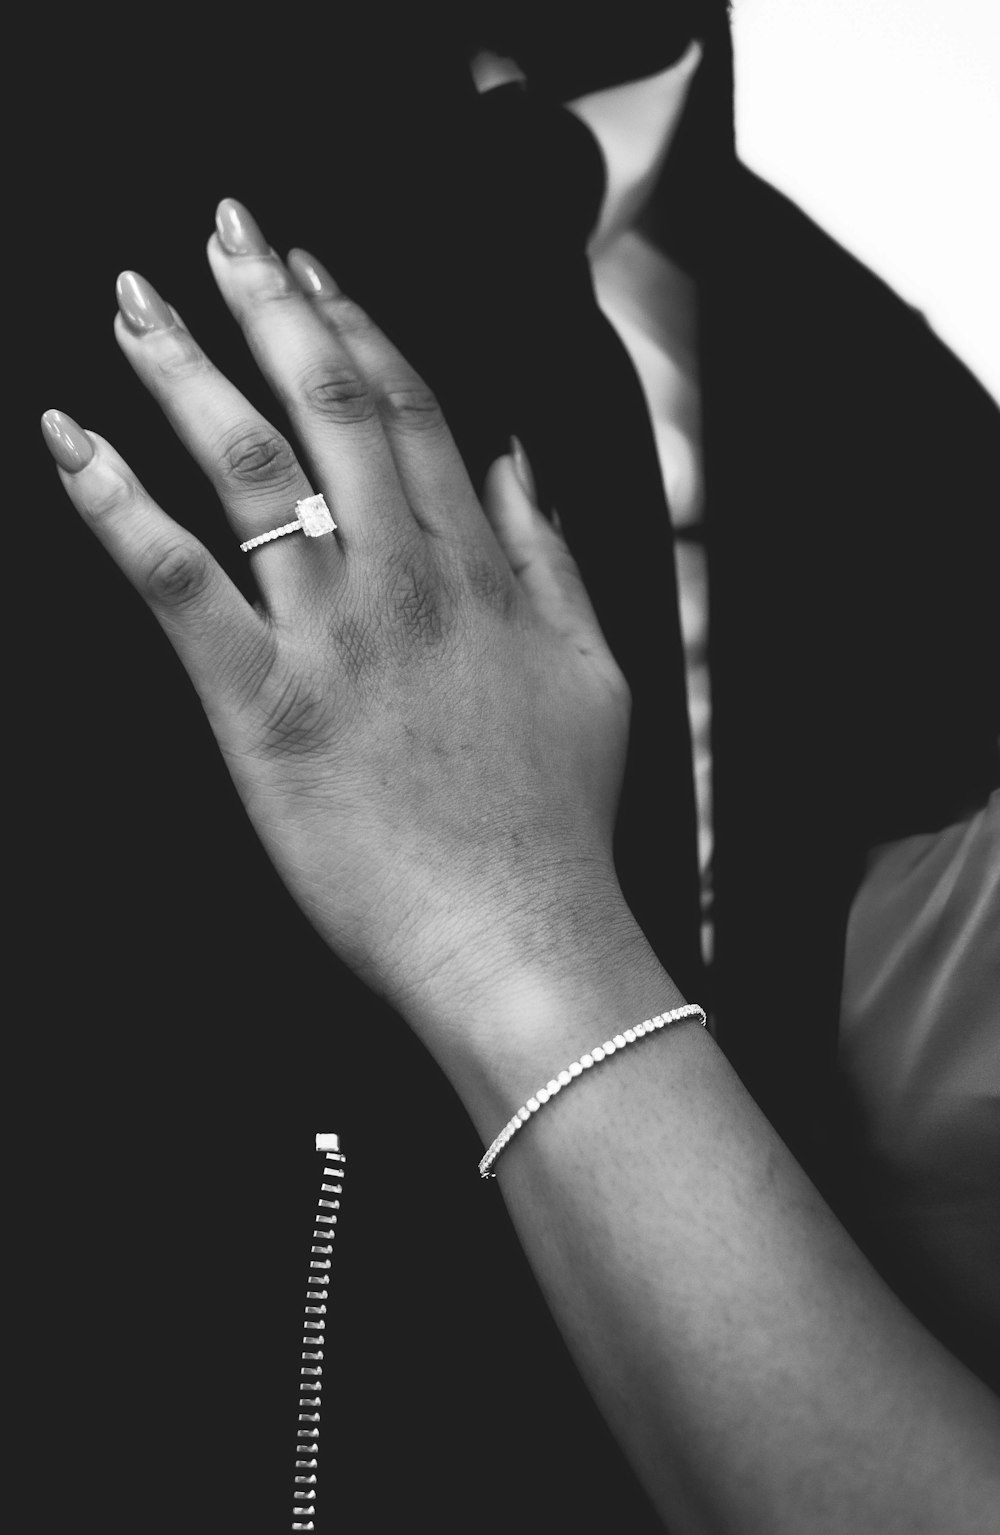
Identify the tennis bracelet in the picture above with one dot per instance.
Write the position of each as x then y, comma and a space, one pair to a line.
577, 1068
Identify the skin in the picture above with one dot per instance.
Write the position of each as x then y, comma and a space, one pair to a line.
428, 732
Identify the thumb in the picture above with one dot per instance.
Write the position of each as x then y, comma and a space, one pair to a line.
537, 552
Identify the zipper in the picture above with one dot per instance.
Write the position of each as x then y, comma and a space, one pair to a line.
311, 1370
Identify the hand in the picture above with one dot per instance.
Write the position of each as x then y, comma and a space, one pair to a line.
421, 716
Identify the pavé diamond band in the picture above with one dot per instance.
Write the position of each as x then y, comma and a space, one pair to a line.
576, 1069
313, 520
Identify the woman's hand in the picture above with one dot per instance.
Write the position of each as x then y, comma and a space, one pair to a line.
421, 716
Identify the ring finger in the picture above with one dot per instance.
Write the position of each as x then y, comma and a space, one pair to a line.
252, 467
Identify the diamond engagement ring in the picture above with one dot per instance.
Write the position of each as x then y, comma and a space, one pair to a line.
313, 520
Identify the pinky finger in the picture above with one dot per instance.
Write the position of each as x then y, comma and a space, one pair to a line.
539, 557
220, 639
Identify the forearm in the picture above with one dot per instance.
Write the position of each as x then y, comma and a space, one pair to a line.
756, 1371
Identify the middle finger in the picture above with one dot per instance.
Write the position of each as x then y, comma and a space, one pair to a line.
327, 398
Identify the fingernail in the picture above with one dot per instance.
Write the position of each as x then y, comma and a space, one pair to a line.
142, 307
522, 469
238, 231
68, 443
311, 274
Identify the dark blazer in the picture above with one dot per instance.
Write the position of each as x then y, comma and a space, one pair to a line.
852, 467
187, 1033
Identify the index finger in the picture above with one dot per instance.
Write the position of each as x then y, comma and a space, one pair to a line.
222, 642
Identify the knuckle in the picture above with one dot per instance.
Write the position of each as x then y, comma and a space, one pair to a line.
339, 395
295, 717
347, 316
413, 407
358, 646
178, 574
111, 494
416, 606
268, 282
254, 663
177, 355
255, 455
490, 585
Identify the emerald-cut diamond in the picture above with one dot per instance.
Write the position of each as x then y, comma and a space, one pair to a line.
314, 515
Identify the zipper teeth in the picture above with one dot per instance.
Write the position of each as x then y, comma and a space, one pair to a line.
305, 1509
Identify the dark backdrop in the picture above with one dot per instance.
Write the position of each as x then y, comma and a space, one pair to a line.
179, 1033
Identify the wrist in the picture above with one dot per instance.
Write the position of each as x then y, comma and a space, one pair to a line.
512, 1013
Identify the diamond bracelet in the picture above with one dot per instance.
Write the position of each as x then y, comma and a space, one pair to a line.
577, 1068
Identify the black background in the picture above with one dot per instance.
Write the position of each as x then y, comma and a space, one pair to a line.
178, 1032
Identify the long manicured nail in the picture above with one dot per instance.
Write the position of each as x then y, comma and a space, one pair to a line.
311, 274
142, 307
522, 469
68, 443
239, 233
